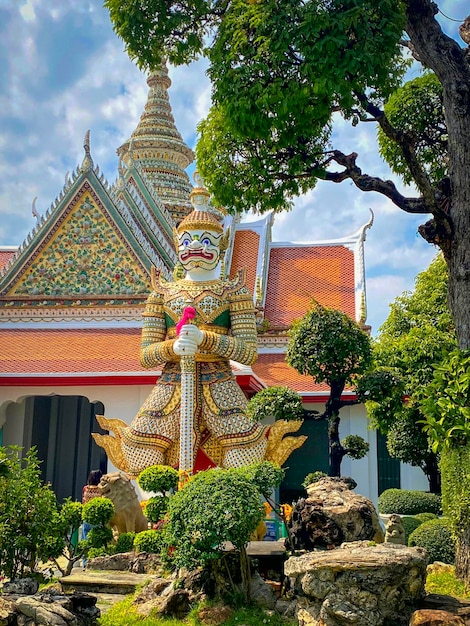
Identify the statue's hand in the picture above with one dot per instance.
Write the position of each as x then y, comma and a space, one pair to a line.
188, 340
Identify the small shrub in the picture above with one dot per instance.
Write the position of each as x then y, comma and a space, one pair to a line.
98, 511
410, 524
148, 541
158, 478
125, 542
407, 502
156, 508
313, 477
425, 517
436, 537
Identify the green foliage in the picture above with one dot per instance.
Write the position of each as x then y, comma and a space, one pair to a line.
277, 402
98, 511
99, 536
28, 514
124, 543
62, 542
149, 541
436, 537
417, 109
156, 508
265, 475
329, 346
356, 447
215, 506
455, 468
408, 502
443, 581
417, 334
446, 403
425, 517
410, 524
313, 477
124, 613
258, 148
158, 478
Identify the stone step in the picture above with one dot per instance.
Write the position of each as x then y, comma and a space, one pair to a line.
103, 581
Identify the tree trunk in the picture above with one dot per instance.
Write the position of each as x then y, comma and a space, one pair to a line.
450, 64
433, 474
332, 410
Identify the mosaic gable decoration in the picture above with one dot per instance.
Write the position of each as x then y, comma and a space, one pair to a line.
85, 256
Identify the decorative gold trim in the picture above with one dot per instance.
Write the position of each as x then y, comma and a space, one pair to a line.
279, 447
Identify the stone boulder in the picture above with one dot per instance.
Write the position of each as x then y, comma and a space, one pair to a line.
358, 583
50, 608
333, 514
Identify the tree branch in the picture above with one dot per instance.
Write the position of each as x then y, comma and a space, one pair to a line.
365, 182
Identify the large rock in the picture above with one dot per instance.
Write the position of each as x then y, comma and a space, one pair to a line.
333, 514
358, 583
49, 608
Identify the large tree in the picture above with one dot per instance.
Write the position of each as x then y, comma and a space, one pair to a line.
281, 71
417, 334
329, 346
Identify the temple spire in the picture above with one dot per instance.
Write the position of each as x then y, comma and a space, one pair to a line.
159, 148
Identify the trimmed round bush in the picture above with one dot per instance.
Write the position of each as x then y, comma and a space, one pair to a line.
156, 508
407, 502
148, 541
158, 478
435, 536
425, 517
410, 524
125, 542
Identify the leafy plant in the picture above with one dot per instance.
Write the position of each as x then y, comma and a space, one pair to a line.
162, 480
29, 514
417, 334
63, 540
275, 402
408, 502
443, 581
329, 346
124, 542
446, 403
159, 479
149, 541
410, 524
313, 477
214, 507
417, 108
98, 512
436, 537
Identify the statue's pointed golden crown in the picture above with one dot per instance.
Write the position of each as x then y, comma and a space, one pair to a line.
203, 216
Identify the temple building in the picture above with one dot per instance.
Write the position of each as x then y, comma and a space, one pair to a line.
72, 297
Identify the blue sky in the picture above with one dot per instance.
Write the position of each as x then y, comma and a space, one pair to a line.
64, 71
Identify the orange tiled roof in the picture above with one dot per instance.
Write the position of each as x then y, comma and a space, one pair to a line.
274, 371
297, 274
245, 255
44, 351
5, 256
72, 351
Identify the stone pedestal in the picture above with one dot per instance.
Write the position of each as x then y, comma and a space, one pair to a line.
357, 583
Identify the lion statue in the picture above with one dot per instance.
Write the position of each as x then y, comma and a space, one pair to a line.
394, 530
128, 516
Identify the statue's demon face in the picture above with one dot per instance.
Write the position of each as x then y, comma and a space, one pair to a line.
199, 249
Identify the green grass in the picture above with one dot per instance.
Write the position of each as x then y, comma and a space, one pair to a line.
124, 614
444, 582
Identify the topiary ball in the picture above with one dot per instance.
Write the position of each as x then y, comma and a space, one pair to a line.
436, 537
